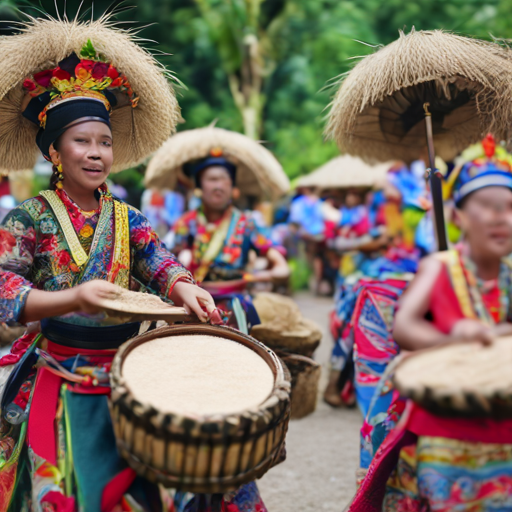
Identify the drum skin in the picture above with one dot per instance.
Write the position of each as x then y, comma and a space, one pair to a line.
429, 378
214, 454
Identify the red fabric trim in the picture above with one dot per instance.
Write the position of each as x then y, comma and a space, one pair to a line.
62, 351
444, 304
478, 430
18, 349
41, 420
116, 488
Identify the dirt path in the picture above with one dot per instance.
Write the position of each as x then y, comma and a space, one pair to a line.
323, 448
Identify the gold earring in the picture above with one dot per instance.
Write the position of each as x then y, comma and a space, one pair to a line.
60, 177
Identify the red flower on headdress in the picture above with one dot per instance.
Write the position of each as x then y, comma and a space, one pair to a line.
44, 78
112, 72
99, 71
29, 85
489, 145
117, 82
87, 64
61, 74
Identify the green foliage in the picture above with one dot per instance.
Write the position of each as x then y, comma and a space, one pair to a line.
304, 44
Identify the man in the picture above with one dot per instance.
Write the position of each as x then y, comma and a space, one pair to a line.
214, 240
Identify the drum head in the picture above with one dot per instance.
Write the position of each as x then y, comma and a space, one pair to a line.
460, 379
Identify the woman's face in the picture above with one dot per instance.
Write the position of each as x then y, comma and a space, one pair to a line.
486, 220
85, 152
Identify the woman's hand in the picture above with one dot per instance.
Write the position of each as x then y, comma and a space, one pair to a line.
88, 295
193, 299
504, 329
472, 330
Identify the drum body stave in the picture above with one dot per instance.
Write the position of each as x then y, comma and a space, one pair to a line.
206, 454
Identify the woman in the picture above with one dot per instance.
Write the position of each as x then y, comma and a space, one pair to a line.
60, 253
454, 464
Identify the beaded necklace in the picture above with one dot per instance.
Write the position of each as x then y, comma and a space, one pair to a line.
477, 285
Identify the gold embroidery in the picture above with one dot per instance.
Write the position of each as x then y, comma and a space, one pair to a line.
120, 270
451, 259
60, 211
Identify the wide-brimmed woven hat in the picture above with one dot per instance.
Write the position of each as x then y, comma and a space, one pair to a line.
345, 172
41, 45
378, 111
258, 172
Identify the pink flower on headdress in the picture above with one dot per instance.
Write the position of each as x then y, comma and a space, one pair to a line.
61, 74
112, 72
43, 78
29, 85
99, 71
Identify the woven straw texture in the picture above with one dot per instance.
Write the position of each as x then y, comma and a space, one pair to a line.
207, 454
258, 172
466, 379
345, 172
41, 44
377, 113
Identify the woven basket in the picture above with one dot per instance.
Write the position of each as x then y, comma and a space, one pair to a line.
305, 375
283, 327
214, 454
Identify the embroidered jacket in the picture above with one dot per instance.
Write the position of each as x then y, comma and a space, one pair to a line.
35, 253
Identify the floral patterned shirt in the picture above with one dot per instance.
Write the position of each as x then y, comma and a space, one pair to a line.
34, 253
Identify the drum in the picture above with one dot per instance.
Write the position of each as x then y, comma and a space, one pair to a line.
199, 408
460, 379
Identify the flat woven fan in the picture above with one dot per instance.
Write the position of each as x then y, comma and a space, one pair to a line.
135, 306
258, 172
41, 45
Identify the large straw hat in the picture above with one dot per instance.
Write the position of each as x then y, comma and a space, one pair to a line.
41, 45
258, 172
345, 172
377, 113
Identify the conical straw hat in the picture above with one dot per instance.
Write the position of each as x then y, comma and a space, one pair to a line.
258, 172
41, 44
377, 113
345, 172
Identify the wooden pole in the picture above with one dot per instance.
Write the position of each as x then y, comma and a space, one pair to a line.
435, 184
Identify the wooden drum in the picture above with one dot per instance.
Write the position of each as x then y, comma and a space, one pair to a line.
199, 408
460, 379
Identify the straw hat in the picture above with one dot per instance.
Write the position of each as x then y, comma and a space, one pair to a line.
41, 45
377, 113
258, 172
345, 172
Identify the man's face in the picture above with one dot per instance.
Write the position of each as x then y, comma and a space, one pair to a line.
217, 188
